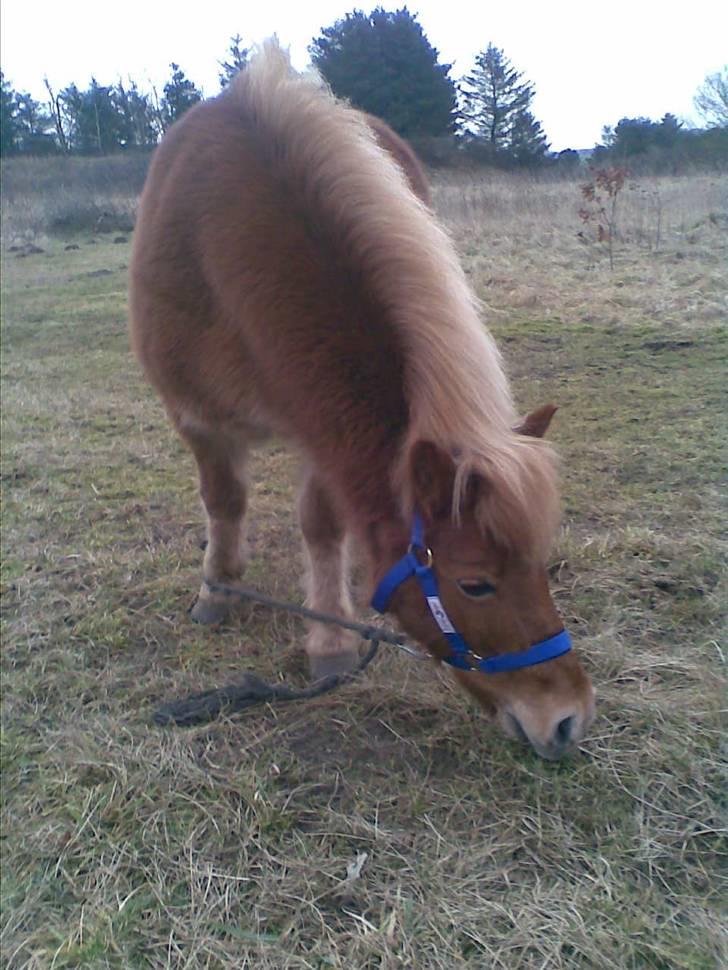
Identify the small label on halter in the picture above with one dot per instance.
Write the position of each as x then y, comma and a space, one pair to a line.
441, 617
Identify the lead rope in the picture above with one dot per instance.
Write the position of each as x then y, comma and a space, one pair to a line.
207, 705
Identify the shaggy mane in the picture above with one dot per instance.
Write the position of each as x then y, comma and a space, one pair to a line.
456, 388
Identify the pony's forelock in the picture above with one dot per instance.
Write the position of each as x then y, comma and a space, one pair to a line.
517, 500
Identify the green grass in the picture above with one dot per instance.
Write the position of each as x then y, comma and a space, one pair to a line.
126, 845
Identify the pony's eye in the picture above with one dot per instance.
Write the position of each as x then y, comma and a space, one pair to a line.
474, 589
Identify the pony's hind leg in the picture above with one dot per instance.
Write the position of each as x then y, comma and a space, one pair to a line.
221, 463
330, 649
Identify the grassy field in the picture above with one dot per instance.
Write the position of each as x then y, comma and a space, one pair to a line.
387, 825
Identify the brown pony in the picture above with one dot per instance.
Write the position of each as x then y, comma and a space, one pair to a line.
287, 279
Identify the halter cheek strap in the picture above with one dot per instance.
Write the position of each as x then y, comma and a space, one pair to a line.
460, 656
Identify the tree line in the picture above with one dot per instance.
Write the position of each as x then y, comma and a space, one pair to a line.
384, 63
98, 120
102, 119
666, 146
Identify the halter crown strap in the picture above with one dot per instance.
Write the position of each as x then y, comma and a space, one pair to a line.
461, 656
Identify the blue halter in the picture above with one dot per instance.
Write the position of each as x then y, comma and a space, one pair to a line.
461, 656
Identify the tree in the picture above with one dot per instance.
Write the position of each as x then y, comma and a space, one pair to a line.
711, 100
494, 94
568, 160
237, 59
140, 121
636, 137
383, 63
608, 136
8, 118
643, 145
179, 95
527, 142
496, 110
56, 109
631, 137
92, 119
33, 124
668, 133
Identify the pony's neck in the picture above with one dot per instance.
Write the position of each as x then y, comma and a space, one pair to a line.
385, 541
365, 494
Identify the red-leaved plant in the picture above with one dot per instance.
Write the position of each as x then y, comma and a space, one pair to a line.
600, 196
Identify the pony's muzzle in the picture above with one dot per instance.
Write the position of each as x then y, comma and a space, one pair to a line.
552, 739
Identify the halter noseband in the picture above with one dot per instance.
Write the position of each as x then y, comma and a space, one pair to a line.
461, 656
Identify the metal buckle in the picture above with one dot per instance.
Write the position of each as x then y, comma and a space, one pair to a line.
412, 549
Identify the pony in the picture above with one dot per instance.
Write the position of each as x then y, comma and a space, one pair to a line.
288, 277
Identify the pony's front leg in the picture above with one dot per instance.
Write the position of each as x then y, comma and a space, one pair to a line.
221, 467
330, 649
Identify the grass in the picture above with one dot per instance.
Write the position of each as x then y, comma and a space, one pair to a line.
387, 825
63, 194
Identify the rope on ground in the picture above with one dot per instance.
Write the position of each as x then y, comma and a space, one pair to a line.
218, 702
207, 705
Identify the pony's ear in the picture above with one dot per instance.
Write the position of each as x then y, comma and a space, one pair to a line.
536, 424
432, 472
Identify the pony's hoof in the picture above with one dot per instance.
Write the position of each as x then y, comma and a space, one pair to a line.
209, 611
332, 664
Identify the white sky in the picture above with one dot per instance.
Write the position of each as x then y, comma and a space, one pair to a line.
638, 57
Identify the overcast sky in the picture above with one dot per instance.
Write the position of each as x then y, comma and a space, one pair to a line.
591, 63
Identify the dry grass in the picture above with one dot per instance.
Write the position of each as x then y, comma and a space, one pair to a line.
67, 194
527, 249
125, 845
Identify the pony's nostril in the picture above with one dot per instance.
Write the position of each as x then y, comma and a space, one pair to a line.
564, 730
552, 746
517, 728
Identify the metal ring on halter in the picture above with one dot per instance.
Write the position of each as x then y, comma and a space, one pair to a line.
429, 558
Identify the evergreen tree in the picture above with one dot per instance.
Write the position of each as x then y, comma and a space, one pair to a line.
33, 124
383, 63
568, 160
527, 141
668, 132
632, 136
92, 119
237, 59
140, 123
496, 107
8, 118
179, 95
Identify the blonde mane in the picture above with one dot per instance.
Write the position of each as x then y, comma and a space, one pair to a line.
455, 385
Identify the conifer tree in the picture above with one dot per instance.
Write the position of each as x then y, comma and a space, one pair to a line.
384, 63
237, 58
179, 95
496, 108
8, 118
140, 128
92, 119
527, 141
